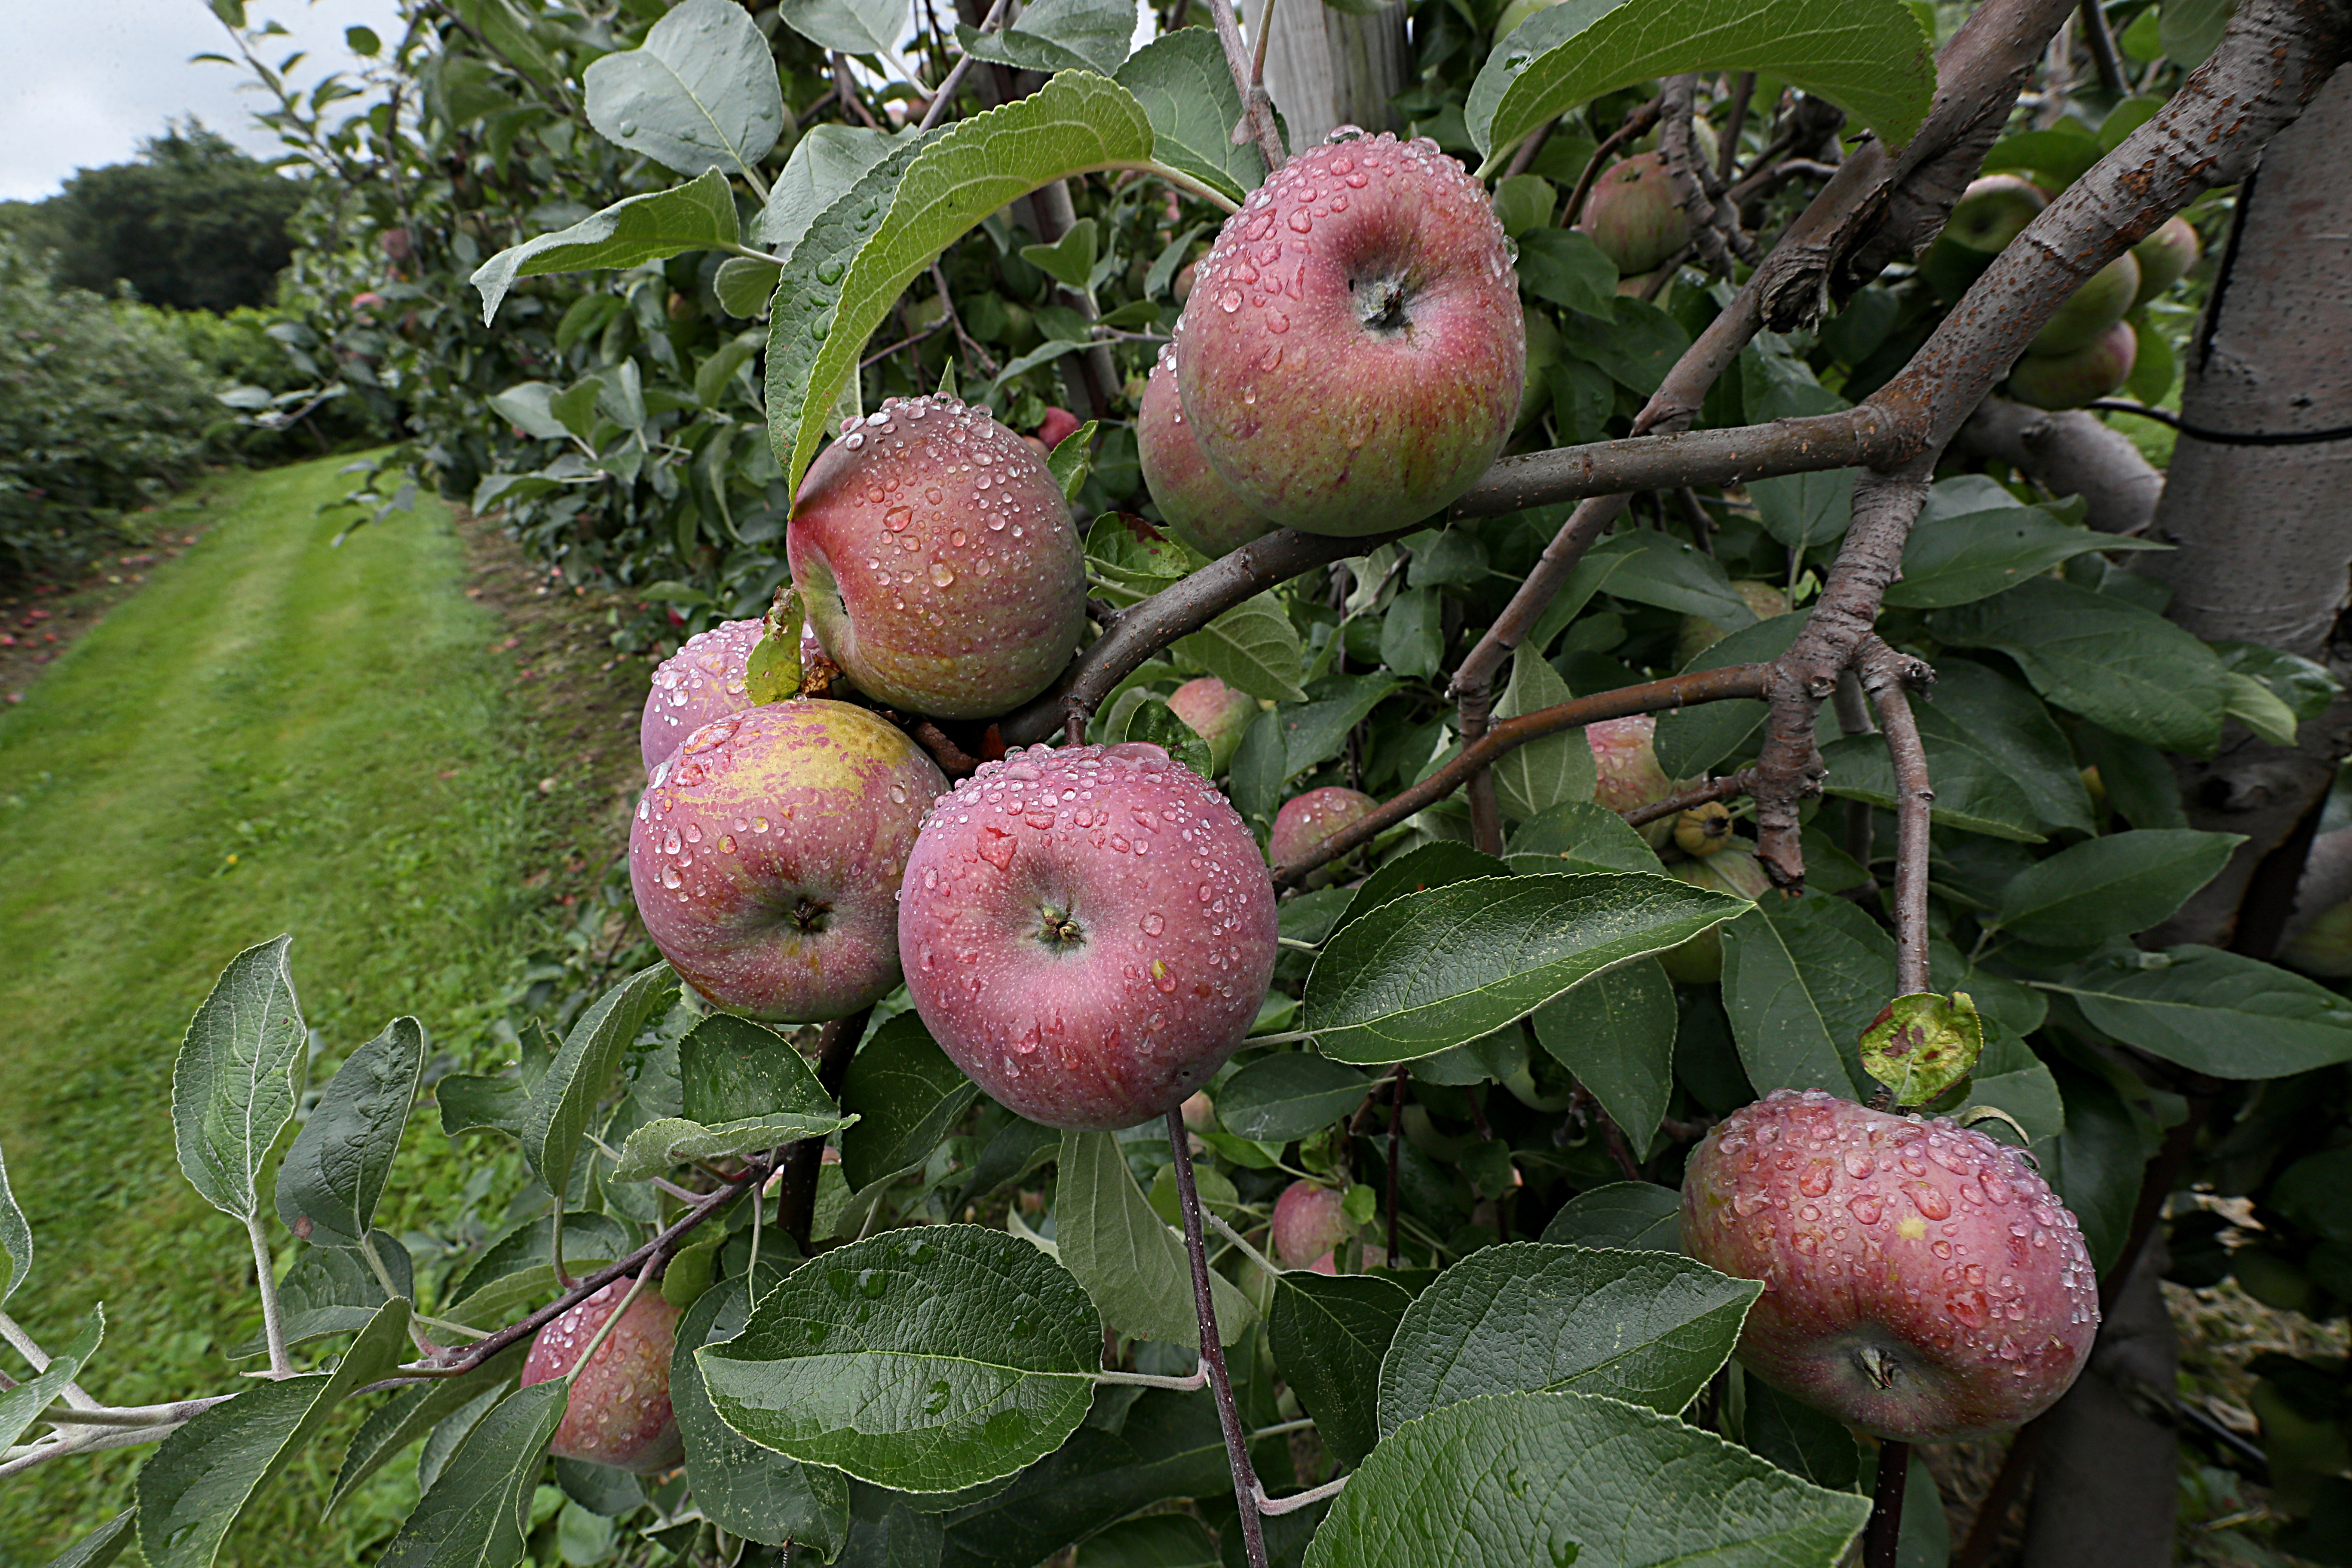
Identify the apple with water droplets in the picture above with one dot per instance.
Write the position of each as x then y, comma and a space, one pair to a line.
1626, 774
1306, 822
1217, 713
765, 856
1087, 932
1351, 356
937, 560
1197, 506
1921, 1281
703, 680
618, 1413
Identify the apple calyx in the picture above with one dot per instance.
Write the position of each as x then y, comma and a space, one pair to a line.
1059, 929
1921, 1044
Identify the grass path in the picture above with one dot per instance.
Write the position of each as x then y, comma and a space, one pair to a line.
274, 735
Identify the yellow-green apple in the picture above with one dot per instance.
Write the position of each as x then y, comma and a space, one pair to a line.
1992, 211
1699, 960
2165, 257
1198, 507
2099, 303
1633, 215
2073, 379
618, 1413
1217, 713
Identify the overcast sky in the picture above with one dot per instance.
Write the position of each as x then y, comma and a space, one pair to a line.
83, 83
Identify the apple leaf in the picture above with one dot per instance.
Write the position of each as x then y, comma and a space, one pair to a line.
1187, 91
696, 215
1416, 870
1801, 980
2104, 887
15, 1238
1251, 647
1616, 1034
233, 1084
1512, 1479
1329, 1333
741, 1487
2214, 1012
477, 1505
927, 1360
109, 1541
1579, 835
1632, 1216
700, 93
772, 671
1922, 1043
334, 1174
413, 1412
561, 1102
1129, 1261
23, 1402
832, 297
1437, 968
1072, 459
1870, 57
1649, 1327
1542, 773
1058, 36
1287, 1095
906, 1094
1958, 560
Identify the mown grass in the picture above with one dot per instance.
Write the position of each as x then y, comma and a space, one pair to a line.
275, 735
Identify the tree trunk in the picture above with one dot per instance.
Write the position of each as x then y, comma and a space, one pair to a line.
1326, 68
2263, 534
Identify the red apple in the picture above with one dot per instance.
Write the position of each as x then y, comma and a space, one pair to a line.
2097, 305
2165, 257
1308, 822
1198, 507
1058, 426
1626, 770
1633, 215
1351, 356
1217, 713
1087, 932
937, 560
1309, 1225
1992, 211
701, 681
766, 852
1921, 1281
618, 1413
2071, 380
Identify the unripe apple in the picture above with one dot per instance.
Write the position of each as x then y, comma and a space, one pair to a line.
1309, 1224
1699, 960
1351, 357
701, 681
1087, 932
2092, 309
766, 852
1217, 713
1921, 1281
2165, 257
1764, 601
1308, 822
1197, 505
2072, 379
1633, 215
1704, 830
2324, 947
937, 560
618, 1413
1992, 211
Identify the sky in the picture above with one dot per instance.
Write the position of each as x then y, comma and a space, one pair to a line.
85, 82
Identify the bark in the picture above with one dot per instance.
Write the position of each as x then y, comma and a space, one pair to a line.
2069, 453
1326, 68
2263, 534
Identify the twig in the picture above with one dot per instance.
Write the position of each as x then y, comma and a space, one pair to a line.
1396, 1134
1716, 235
2102, 45
1885, 1531
1212, 1353
1297, 1500
14, 1332
1637, 120
1727, 157
170, 1414
947, 91
804, 1162
1885, 676
1530, 147
1724, 788
1257, 109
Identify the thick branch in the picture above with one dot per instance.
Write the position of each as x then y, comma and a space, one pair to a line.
2067, 454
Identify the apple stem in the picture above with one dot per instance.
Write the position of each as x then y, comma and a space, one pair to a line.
1213, 1354
1885, 1531
796, 1205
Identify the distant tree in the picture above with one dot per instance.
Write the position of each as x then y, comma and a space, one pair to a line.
193, 223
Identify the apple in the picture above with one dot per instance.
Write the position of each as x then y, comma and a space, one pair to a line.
1764, 601
2165, 257
1217, 713
1309, 1224
1058, 427
1633, 215
1699, 960
1197, 506
2072, 379
1626, 771
1921, 1281
2324, 947
1704, 830
1992, 211
937, 560
618, 1413
1351, 356
701, 681
1087, 932
1199, 1112
1308, 822
765, 856
2099, 303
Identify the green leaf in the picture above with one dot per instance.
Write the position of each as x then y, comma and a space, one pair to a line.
925, 1359
1922, 1043
1565, 267
1058, 34
526, 406
1069, 260
104, 1544
1554, 771
739, 1486
562, 1102
1870, 57
1437, 968
197, 1484
2010, 1078
2097, 1164
1512, 1480
669, 1141
1072, 458
825, 162
332, 1291
772, 671
1800, 981
1131, 1264
1153, 721
1797, 1437
1251, 647
1690, 740
1958, 560
525, 1242
334, 1174
1077, 123
1579, 835
477, 1507
1287, 1095
1636, 346
2057, 157
696, 215
1428, 865
2215, 1012
1616, 1034
906, 1094
1187, 93
713, 376
414, 1410
700, 94
2102, 656
2303, 687
1155, 1540
2104, 887
15, 1238
1413, 633
23, 1402
2258, 708
1329, 1333
233, 1086
1631, 1216
2190, 30
1314, 733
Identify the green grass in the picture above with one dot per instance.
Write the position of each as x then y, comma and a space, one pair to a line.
276, 735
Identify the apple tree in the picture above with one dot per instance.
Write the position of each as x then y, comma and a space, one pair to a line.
1505, 840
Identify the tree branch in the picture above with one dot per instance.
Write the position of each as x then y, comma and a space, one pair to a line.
1724, 788
2067, 454
1885, 676
804, 1162
1246, 1491
1257, 109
